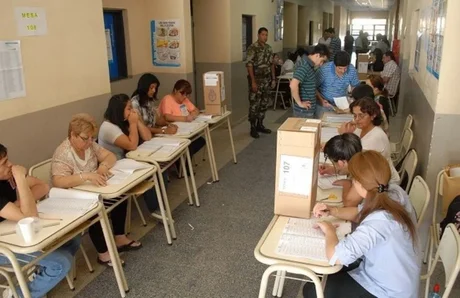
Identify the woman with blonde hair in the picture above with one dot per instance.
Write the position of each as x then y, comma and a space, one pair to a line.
78, 160
385, 239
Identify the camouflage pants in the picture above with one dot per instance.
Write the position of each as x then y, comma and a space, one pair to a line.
258, 101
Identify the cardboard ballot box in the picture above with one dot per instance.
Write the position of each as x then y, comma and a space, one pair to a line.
297, 159
363, 66
214, 93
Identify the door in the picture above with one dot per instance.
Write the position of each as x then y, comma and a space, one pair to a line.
310, 33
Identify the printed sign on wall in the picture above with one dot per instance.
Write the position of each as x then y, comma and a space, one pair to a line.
31, 21
165, 38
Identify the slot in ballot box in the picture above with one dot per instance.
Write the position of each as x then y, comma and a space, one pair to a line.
297, 161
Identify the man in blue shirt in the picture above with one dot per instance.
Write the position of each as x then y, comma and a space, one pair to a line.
303, 84
332, 80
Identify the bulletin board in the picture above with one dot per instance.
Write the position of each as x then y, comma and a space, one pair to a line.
279, 22
436, 22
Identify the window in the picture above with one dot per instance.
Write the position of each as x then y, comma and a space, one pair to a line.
115, 40
371, 26
247, 34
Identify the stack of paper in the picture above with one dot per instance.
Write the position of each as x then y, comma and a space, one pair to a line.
326, 182
203, 118
339, 118
163, 146
342, 103
123, 169
68, 202
328, 133
186, 128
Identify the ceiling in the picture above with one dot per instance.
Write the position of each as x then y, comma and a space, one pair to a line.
366, 5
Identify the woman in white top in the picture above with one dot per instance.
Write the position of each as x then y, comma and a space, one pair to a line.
385, 239
366, 124
288, 65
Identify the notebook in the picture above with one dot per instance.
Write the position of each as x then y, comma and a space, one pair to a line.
164, 146
124, 168
298, 232
67, 202
186, 128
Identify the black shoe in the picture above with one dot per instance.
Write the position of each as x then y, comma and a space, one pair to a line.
261, 128
254, 132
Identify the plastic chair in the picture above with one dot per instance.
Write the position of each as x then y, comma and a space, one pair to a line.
292, 269
419, 195
42, 171
408, 124
408, 168
408, 137
449, 254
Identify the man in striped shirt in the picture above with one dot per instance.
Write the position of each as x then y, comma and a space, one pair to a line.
332, 80
303, 85
335, 45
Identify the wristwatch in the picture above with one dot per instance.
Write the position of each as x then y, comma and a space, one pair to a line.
163, 130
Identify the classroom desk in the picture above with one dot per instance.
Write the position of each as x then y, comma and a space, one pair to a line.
265, 252
289, 76
217, 121
167, 160
51, 238
202, 129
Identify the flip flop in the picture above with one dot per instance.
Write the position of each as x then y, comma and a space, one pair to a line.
109, 262
129, 247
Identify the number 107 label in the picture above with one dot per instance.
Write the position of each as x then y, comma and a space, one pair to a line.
295, 174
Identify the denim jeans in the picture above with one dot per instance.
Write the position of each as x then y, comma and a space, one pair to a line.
320, 110
50, 270
310, 114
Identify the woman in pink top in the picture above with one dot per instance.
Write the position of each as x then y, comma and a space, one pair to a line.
176, 107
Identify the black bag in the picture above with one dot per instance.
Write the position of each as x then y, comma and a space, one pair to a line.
453, 215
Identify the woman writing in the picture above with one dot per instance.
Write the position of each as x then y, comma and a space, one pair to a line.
122, 131
385, 239
78, 160
143, 101
380, 93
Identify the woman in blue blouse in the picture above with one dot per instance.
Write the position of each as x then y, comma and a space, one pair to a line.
385, 240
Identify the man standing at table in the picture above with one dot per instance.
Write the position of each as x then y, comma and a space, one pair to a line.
303, 84
18, 194
336, 44
261, 77
332, 80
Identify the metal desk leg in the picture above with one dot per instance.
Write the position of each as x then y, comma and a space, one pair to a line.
210, 156
192, 178
216, 174
276, 95
166, 204
114, 257
231, 139
281, 284
182, 164
276, 284
17, 272
161, 205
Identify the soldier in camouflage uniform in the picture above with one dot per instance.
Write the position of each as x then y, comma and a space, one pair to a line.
261, 77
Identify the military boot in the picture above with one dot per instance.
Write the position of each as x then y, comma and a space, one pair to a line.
261, 128
254, 132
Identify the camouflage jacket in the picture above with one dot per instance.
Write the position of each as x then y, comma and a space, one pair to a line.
260, 58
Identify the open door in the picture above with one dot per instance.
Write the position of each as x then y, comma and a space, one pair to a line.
310, 33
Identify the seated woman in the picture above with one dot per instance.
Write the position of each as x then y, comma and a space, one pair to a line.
177, 107
380, 93
122, 131
377, 64
78, 160
385, 239
365, 90
278, 63
143, 101
18, 194
288, 65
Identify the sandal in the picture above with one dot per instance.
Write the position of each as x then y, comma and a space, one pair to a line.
129, 246
109, 262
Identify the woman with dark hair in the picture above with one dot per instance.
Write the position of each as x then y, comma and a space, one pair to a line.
385, 239
366, 90
143, 101
378, 64
366, 124
381, 94
178, 107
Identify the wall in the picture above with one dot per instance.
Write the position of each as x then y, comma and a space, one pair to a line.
291, 12
369, 15
340, 21
302, 27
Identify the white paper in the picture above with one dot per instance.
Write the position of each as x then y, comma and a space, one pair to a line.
186, 128
72, 194
211, 80
322, 158
11, 70
295, 175
309, 128
342, 103
128, 166
203, 118
315, 121
118, 177
363, 67
67, 201
326, 182
108, 41
339, 118
31, 21
328, 133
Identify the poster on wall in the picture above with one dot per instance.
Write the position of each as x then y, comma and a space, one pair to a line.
436, 26
11, 70
31, 21
165, 39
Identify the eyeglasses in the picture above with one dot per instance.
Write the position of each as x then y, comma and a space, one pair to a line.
86, 139
359, 116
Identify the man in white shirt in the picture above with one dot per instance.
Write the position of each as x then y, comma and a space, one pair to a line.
391, 73
381, 44
325, 39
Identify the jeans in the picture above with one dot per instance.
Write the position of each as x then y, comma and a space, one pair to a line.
320, 110
50, 270
150, 196
310, 114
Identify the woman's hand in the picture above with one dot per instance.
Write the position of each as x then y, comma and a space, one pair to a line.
96, 179
325, 169
342, 182
103, 169
189, 118
171, 129
321, 210
348, 127
133, 117
327, 227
